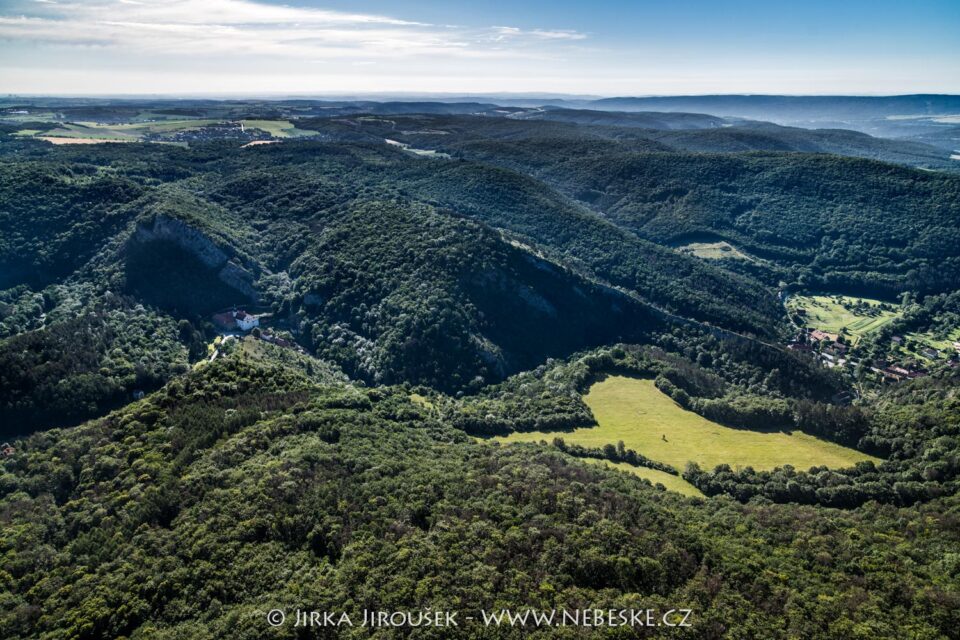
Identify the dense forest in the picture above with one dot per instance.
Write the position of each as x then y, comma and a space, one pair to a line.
170, 476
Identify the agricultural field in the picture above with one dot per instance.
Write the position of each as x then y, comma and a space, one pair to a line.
855, 317
277, 128
160, 128
651, 423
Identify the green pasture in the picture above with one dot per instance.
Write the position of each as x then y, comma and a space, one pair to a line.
651, 423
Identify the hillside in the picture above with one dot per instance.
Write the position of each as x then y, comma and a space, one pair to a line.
826, 221
248, 476
926, 118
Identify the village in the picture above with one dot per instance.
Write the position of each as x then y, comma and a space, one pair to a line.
833, 352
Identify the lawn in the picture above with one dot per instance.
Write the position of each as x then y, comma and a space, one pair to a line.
652, 424
859, 316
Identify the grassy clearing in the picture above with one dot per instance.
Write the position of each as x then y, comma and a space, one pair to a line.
638, 413
672, 483
715, 251
858, 316
421, 400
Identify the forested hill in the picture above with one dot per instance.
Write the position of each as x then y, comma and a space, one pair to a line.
244, 487
534, 240
810, 108
697, 132
829, 222
447, 274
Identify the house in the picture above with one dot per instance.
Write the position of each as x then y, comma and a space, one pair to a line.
897, 340
6, 450
236, 319
245, 321
818, 336
931, 353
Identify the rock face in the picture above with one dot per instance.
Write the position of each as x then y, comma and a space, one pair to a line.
229, 267
184, 236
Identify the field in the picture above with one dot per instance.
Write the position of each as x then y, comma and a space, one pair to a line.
133, 131
715, 251
859, 316
671, 482
277, 128
651, 423
57, 140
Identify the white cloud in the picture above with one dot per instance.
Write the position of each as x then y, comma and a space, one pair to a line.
510, 33
245, 27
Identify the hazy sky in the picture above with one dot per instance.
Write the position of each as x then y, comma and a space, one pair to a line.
607, 47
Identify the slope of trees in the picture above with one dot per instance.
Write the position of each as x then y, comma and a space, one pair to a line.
243, 487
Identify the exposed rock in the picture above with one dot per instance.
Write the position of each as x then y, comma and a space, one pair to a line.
183, 235
234, 275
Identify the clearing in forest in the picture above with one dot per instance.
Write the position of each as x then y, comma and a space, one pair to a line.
671, 482
651, 423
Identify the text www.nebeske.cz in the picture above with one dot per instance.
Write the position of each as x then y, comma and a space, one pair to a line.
496, 618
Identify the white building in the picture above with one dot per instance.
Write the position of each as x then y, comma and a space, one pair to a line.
245, 321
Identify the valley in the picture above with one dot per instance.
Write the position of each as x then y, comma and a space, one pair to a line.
425, 354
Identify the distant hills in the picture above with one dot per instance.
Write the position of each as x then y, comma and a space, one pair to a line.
929, 118
793, 108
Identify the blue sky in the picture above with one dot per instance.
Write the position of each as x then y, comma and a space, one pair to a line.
602, 47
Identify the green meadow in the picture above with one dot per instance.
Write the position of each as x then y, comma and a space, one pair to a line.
671, 482
651, 423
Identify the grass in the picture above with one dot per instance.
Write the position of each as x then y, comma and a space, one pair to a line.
930, 339
88, 133
638, 413
423, 401
715, 251
671, 482
277, 128
834, 313
130, 131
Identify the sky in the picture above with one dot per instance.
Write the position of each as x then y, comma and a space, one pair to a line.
583, 47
